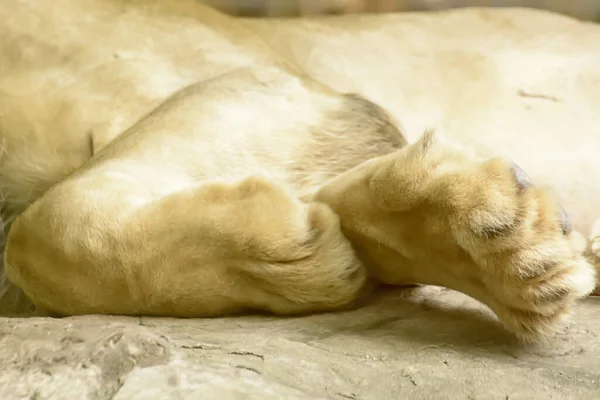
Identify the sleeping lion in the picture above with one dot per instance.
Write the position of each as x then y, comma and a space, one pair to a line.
161, 158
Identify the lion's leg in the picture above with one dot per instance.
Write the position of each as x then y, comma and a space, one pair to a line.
205, 251
433, 213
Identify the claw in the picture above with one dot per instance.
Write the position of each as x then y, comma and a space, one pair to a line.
524, 182
565, 221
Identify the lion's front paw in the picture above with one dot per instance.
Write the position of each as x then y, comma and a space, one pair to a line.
518, 236
435, 213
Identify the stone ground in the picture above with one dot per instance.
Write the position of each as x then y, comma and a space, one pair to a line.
429, 343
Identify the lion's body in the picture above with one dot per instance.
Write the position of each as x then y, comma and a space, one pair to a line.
52, 68
175, 154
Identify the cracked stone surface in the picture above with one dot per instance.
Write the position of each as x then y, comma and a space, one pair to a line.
420, 344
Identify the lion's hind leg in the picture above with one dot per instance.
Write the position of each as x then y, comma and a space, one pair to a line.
211, 250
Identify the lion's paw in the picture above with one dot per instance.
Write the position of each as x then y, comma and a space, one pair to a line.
518, 236
435, 212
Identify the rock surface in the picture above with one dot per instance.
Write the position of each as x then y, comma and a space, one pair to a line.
427, 343
585, 9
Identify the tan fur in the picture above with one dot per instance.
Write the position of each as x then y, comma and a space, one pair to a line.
164, 159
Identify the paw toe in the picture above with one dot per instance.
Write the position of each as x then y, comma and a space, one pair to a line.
533, 307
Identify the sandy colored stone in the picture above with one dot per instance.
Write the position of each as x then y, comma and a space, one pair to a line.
428, 344
584, 9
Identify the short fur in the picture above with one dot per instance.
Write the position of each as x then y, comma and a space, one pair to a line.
161, 158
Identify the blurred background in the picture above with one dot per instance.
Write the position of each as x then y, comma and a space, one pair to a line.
582, 9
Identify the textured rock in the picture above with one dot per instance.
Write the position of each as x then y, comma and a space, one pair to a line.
584, 9
424, 344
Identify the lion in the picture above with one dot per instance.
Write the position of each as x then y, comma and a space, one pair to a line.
163, 159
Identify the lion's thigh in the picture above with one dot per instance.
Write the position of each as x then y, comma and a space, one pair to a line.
276, 252
206, 251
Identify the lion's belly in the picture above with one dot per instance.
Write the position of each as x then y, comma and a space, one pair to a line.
69, 86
